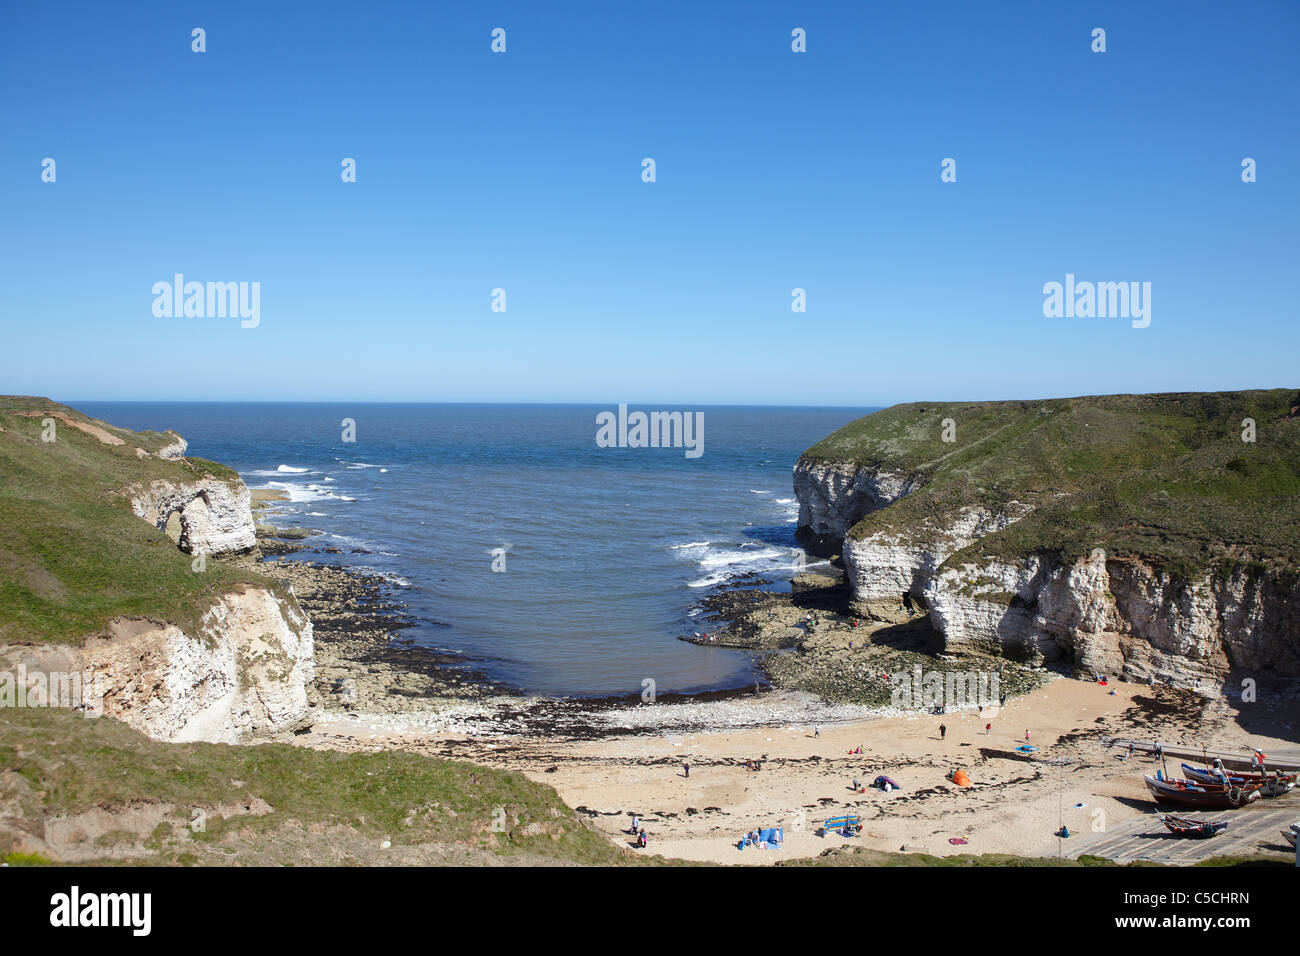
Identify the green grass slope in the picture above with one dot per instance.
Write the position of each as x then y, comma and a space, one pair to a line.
72, 555
1167, 477
318, 806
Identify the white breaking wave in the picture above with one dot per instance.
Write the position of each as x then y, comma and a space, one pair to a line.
279, 470
689, 544
313, 492
721, 565
785, 501
721, 559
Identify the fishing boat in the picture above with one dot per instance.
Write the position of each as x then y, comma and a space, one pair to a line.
1270, 785
1185, 793
1289, 835
1192, 829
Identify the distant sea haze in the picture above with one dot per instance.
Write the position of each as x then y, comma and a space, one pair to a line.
602, 553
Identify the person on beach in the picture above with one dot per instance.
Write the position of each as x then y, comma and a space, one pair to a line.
817, 732
687, 767
636, 825
988, 729
943, 731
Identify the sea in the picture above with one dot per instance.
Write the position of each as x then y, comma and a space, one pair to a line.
553, 565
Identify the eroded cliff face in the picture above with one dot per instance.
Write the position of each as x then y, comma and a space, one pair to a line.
240, 671
242, 676
1119, 616
834, 496
216, 515
882, 567
1105, 614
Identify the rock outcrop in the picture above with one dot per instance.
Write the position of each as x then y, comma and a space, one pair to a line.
175, 448
215, 514
243, 675
884, 566
835, 495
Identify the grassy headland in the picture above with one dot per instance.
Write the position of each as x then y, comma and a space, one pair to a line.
1166, 477
72, 554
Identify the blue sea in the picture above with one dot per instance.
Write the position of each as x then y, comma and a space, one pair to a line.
607, 551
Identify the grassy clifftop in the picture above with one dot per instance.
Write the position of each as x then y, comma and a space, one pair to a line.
1167, 477
72, 554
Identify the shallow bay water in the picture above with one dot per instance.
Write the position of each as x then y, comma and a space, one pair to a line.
607, 551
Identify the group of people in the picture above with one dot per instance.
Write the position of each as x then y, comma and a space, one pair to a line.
639, 833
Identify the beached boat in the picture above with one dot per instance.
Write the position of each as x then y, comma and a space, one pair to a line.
1269, 784
1184, 793
1193, 829
1290, 836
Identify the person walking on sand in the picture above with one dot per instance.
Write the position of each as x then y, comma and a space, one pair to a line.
988, 729
1026, 736
817, 731
943, 731
687, 767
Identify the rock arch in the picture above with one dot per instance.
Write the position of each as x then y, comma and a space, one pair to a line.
214, 516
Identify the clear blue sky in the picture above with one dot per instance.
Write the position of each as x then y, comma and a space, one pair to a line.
523, 171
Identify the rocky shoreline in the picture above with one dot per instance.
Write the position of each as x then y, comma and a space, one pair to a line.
821, 661
816, 644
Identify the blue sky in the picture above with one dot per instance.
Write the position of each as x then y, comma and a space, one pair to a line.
522, 171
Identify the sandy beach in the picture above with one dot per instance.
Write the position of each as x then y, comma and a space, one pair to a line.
1015, 804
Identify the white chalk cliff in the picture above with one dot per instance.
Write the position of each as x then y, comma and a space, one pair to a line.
216, 515
1113, 615
242, 676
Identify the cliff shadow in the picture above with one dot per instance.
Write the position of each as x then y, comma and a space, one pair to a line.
1262, 706
915, 635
